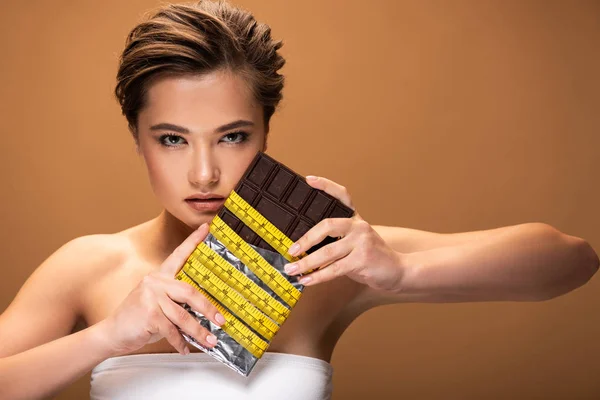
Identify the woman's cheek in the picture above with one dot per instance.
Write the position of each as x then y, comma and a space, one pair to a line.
160, 176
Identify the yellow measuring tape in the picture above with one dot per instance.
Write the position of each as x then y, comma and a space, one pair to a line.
229, 289
260, 225
233, 327
241, 283
255, 262
200, 271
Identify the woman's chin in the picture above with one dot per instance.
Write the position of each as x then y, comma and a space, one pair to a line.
192, 220
196, 221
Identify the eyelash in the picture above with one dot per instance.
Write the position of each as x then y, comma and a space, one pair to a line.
162, 139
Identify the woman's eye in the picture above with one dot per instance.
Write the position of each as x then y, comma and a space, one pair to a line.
171, 140
235, 137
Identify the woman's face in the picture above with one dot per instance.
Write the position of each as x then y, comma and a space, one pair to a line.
197, 135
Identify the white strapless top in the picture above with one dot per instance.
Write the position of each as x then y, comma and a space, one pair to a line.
199, 376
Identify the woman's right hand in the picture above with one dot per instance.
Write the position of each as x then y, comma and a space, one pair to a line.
150, 312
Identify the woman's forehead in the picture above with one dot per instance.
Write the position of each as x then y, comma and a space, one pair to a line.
200, 101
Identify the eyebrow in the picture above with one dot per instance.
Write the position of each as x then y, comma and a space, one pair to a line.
180, 129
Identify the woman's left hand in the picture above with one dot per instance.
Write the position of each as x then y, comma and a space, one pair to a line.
361, 254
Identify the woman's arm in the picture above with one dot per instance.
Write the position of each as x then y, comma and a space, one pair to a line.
45, 309
408, 240
527, 262
46, 369
36, 357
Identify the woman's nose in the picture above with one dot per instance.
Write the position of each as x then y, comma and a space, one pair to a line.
204, 171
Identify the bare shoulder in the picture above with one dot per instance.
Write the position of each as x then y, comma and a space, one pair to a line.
93, 252
89, 264
51, 299
84, 258
69, 269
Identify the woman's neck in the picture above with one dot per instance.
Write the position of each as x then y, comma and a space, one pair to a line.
164, 234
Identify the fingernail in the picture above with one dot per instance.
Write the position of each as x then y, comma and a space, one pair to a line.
220, 319
186, 351
291, 268
212, 339
294, 249
305, 280
311, 177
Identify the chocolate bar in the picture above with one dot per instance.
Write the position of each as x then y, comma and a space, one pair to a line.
285, 199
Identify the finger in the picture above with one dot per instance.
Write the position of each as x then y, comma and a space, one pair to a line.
334, 227
180, 317
322, 257
178, 257
170, 332
332, 271
328, 186
182, 292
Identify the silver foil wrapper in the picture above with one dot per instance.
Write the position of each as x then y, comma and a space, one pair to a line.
227, 350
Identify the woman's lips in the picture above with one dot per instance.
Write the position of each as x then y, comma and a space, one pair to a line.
205, 205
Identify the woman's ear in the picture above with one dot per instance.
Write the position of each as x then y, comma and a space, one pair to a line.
136, 140
266, 138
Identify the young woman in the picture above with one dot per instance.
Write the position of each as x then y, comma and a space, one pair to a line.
198, 85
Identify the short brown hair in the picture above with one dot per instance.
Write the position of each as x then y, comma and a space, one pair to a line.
199, 38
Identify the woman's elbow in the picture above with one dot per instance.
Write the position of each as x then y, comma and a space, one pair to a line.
579, 265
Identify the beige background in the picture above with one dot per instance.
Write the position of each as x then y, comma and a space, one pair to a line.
438, 115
